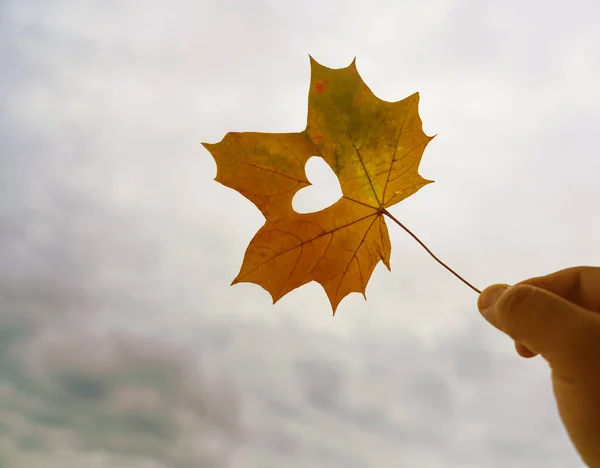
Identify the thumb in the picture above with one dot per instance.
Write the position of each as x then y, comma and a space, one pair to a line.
544, 322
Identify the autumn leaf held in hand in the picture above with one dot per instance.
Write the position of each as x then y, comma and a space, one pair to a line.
373, 146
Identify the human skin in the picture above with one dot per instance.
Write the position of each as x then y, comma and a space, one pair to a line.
558, 317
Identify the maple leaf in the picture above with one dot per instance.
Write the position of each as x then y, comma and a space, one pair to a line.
373, 146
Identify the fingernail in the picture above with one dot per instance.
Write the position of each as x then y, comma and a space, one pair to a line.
489, 296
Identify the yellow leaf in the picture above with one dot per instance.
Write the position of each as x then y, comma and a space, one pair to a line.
373, 146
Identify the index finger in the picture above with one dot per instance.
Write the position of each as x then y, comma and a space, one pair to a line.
579, 285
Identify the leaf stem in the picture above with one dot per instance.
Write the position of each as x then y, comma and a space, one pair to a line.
389, 215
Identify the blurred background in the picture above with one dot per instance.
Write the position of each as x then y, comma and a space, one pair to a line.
122, 343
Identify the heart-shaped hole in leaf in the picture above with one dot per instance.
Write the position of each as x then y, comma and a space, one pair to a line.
324, 191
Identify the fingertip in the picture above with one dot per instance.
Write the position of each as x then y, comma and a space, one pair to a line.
490, 295
524, 351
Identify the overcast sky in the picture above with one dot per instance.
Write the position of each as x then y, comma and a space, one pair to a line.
121, 342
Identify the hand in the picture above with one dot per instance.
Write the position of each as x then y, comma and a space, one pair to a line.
558, 317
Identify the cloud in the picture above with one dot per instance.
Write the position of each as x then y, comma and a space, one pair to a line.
75, 390
250, 392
